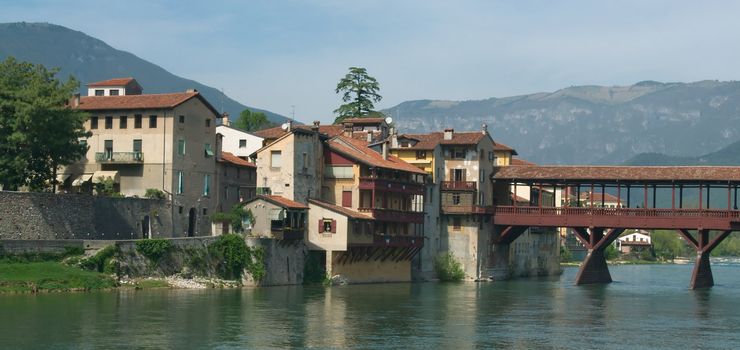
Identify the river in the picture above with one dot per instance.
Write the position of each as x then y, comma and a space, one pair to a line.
649, 306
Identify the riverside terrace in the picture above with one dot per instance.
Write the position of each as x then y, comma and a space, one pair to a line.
597, 227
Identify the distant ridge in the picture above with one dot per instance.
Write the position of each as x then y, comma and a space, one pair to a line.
594, 124
89, 59
729, 155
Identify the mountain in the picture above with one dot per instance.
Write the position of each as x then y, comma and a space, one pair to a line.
594, 124
729, 155
89, 59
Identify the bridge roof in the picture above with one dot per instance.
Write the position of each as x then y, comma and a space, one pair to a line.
614, 174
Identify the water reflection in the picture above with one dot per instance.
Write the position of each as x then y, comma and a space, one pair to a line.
648, 307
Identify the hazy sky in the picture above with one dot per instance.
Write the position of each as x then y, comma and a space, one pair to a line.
274, 54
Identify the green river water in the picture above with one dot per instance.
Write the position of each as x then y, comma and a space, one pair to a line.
649, 306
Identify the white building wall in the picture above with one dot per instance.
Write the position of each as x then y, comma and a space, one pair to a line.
232, 138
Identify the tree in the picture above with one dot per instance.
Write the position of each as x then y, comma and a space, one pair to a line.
38, 130
362, 90
252, 121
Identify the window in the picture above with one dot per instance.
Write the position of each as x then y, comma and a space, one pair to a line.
305, 160
137, 149
208, 151
456, 198
180, 184
421, 154
152, 122
99, 92
109, 122
137, 121
206, 184
456, 224
182, 119
208, 122
458, 153
179, 209
123, 122
108, 146
93, 122
338, 172
491, 157
242, 143
205, 211
180, 147
327, 226
113, 92
275, 159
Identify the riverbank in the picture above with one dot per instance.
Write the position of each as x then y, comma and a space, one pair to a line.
678, 261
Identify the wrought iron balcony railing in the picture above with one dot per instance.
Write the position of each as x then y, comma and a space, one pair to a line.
120, 157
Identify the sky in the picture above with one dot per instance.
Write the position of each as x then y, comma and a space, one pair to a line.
279, 54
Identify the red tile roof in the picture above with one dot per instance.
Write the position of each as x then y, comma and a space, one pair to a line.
430, 140
359, 151
519, 161
341, 210
283, 202
502, 147
148, 101
619, 173
597, 196
112, 82
277, 132
228, 157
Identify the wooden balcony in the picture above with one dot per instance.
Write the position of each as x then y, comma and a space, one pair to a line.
466, 209
119, 157
394, 215
406, 187
459, 186
287, 233
398, 241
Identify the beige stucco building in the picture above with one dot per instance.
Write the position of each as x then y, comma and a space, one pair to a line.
151, 141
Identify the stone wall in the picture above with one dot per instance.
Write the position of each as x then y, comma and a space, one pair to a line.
13, 247
38, 216
284, 261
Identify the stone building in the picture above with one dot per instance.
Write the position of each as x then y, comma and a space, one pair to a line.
150, 141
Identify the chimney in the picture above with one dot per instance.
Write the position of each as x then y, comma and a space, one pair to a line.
384, 146
348, 129
315, 126
369, 137
448, 134
290, 125
484, 129
225, 119
219, 145
394, 138
191, 90
76, 100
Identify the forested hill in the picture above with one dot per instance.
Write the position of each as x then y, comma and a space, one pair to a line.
729, 155
89, 59
594, 124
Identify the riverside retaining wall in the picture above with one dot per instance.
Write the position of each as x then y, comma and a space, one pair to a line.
48, 216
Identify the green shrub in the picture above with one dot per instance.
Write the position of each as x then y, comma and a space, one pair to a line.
100, 261
565, 254
154, 193
154, 249
611, 253
71, 251
234, 256
448, 268
234, 217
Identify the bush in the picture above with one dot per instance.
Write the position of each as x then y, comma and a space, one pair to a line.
234, 256
154, 249
565, 254
234, 217
154, 193
611, 253
101, 261
448, 268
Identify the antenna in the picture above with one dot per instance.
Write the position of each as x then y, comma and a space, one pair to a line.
222, 101
292, 112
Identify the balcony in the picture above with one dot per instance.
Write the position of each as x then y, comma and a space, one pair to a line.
119, 157
395, 215
406, 187
459, 186
466, 209
289, 234
398, 241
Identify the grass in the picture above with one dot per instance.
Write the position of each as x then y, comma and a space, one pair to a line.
49, 276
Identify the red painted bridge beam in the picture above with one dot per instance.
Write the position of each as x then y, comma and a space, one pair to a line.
594, 268
702, 276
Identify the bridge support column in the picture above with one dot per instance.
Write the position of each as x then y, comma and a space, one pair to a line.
501, 241
702, 276
594, 268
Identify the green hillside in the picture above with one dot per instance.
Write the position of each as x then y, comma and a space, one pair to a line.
89, 59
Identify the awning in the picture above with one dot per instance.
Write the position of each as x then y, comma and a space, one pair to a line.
63, 177
82, 179
99, 176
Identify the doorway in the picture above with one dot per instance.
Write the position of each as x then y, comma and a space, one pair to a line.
191, 222
145, 227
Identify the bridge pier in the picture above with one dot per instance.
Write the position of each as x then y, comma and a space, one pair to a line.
702, 276
594, 268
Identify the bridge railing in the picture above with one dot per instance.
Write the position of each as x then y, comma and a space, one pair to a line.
635, 212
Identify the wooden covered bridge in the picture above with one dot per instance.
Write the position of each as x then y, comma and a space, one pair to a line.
693, 200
